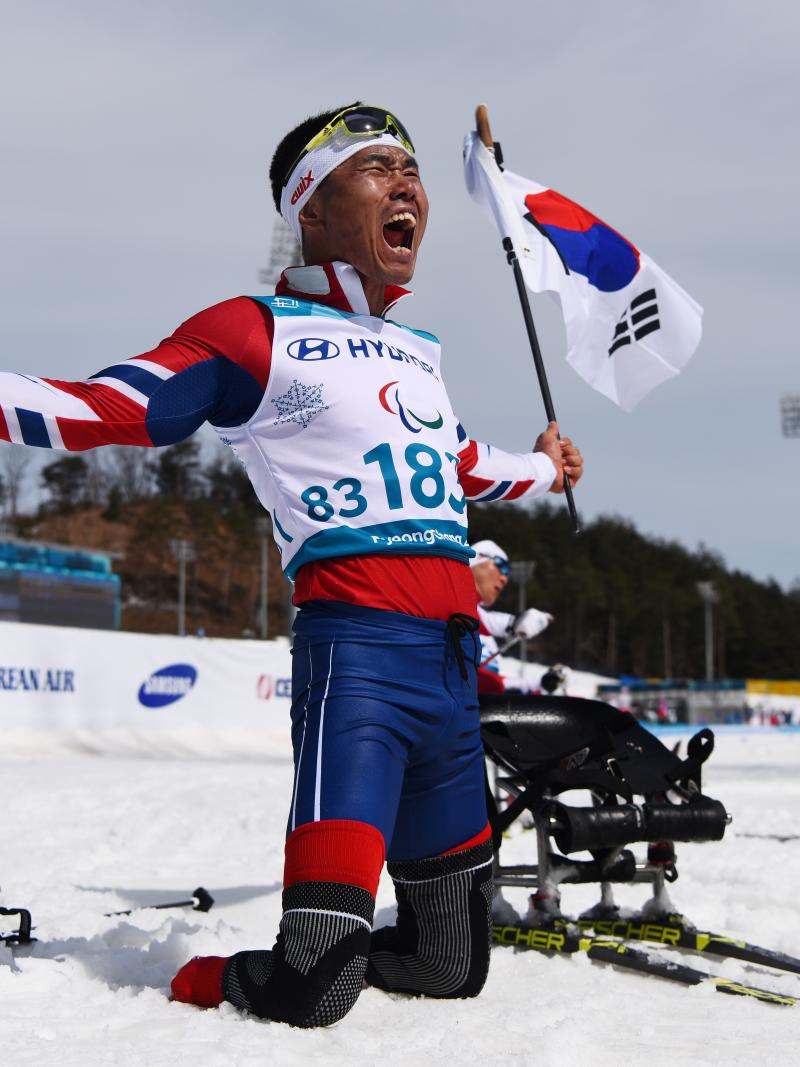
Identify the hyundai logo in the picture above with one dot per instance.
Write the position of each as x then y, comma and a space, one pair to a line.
167, 685
313, 348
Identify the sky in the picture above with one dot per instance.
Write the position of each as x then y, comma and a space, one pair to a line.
134, 145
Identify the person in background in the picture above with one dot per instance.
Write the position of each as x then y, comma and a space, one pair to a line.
490, 571
553, 679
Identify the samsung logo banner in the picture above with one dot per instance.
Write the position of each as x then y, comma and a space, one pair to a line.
37, 679
167, 685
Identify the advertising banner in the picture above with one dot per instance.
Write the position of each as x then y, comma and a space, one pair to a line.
106, 689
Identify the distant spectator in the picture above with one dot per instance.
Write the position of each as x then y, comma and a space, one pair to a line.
490, 571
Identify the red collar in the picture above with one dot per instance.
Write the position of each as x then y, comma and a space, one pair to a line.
335, 284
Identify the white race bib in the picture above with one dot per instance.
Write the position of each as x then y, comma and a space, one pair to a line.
353, 449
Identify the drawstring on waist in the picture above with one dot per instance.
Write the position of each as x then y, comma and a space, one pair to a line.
458, 626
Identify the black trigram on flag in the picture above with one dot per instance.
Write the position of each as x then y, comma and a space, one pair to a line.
638, 320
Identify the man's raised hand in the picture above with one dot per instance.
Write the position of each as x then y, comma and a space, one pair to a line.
572, 463
566, 456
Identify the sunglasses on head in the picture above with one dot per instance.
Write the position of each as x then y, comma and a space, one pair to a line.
358, 122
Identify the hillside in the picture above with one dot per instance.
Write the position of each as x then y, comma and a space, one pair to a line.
222, 582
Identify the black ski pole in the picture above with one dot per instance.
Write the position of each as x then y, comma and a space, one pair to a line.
502, 650
485, 134
201, 900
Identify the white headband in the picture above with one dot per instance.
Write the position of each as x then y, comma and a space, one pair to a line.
317, 164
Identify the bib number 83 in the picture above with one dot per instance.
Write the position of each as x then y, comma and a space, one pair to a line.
316, 500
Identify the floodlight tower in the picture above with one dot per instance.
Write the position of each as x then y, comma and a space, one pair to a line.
790, 415
710, 597
521, 571
264, 527
184, 553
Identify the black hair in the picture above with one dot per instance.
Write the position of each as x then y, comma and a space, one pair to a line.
293, 144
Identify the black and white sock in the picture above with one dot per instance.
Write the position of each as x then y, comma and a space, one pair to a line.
440, 945
314, 974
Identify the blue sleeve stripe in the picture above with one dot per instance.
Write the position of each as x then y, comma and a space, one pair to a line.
33, 429
142, 380
498, 492
462, 433
216, 390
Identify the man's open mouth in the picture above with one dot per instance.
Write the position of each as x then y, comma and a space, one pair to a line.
398, 231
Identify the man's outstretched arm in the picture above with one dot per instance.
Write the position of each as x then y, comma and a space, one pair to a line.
487, 473
213, 368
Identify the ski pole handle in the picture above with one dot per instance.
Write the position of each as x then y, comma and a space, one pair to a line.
201, 900
22, 935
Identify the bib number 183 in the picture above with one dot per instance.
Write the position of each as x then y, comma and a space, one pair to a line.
426, 484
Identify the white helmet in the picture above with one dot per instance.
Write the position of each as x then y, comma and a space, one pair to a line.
489, 550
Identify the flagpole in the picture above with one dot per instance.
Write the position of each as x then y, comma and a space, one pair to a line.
485, 134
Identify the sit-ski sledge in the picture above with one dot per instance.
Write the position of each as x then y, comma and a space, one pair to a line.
541, 748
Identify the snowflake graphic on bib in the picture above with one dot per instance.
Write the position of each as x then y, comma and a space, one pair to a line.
300, 404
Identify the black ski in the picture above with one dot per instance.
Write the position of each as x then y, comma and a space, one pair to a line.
675, 932
620, 954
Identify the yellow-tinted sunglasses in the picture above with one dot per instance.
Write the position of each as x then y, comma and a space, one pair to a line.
358, 121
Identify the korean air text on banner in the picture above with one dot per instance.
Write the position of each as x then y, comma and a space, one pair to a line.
629, 325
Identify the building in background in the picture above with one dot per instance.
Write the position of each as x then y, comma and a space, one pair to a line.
758, 702
58, 585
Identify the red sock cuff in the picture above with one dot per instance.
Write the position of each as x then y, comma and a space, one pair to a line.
335, 850
478, 839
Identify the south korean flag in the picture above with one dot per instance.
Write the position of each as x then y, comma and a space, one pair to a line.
629, 326
639, 319
650, 341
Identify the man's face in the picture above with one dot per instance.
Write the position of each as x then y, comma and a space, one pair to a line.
371, 212
489, 582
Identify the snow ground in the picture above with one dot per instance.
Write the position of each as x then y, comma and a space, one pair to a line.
85, 834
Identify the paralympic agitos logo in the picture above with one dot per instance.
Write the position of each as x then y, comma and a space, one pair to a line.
389, 396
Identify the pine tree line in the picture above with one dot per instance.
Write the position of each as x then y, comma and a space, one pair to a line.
628, 604
110, 477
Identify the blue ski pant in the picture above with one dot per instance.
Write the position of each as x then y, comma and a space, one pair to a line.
385, 727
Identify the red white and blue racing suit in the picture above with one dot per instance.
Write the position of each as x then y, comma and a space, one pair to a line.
344, 426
